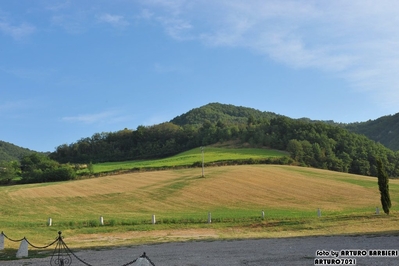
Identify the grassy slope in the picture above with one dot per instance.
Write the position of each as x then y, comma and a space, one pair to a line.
181, 200
211, 154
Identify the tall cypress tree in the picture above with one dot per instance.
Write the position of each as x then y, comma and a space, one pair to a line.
383, 186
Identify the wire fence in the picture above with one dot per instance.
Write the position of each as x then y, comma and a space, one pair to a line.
63, 255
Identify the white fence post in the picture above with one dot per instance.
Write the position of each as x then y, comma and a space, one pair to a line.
101, 220
23, 249
263, 214
153, 219
318, 212
50, 222
377, 211
1, 241
209, 218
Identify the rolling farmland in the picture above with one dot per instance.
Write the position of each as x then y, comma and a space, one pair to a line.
181, 200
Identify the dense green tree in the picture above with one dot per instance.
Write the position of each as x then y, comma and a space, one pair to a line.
8, 171
294, 147
90, 168
383, 185
37, 168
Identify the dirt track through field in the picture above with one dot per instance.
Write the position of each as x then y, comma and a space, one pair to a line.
281, 251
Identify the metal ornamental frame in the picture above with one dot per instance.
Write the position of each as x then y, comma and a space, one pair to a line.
63, 255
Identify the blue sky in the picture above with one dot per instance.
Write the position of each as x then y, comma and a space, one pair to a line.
69, 69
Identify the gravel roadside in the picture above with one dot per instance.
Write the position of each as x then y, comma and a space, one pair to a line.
276, 251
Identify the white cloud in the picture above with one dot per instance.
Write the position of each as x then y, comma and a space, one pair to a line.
57, 6
353, 40
114, 20
173, 7
105, 117
17, 32
177, 28
145, 14
74, 23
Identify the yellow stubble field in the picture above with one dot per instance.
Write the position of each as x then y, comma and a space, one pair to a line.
182, 199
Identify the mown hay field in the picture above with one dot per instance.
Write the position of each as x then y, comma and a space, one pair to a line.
181, 200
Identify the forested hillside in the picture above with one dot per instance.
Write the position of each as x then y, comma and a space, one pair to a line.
226, 114
384, 130
315, 144
11, 152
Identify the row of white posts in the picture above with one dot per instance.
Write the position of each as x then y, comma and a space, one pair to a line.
22, 250
153, 220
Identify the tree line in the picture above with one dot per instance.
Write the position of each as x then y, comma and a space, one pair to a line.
314, 144
35, 168
319, 144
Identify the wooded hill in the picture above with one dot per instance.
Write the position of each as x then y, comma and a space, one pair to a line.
384, 130
310, 143
11, 152
226, 114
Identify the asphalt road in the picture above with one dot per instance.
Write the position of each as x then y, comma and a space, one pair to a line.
281, 251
